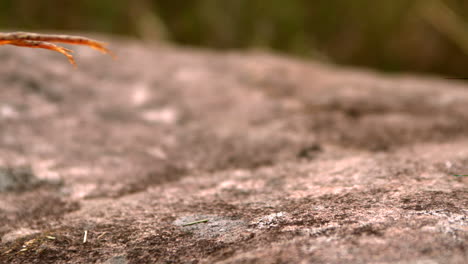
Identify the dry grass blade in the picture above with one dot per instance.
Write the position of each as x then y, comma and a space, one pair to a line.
33, 40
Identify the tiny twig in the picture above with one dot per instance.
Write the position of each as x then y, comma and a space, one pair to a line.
101, 235
85, 237
196, 222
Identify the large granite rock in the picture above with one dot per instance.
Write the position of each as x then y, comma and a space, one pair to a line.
171, 155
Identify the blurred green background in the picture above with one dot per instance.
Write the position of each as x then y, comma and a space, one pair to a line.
391, 35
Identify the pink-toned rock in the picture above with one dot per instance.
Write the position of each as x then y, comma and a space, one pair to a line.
287, 161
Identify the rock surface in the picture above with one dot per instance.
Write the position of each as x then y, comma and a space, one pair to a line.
284, 161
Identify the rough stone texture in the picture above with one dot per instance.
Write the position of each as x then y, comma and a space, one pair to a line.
20, 178
290, 161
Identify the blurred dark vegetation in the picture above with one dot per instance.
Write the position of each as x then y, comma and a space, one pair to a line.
390, 35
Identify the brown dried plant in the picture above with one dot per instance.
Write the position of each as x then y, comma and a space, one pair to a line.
43, 41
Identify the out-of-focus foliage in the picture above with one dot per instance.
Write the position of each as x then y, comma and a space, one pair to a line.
397, 35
